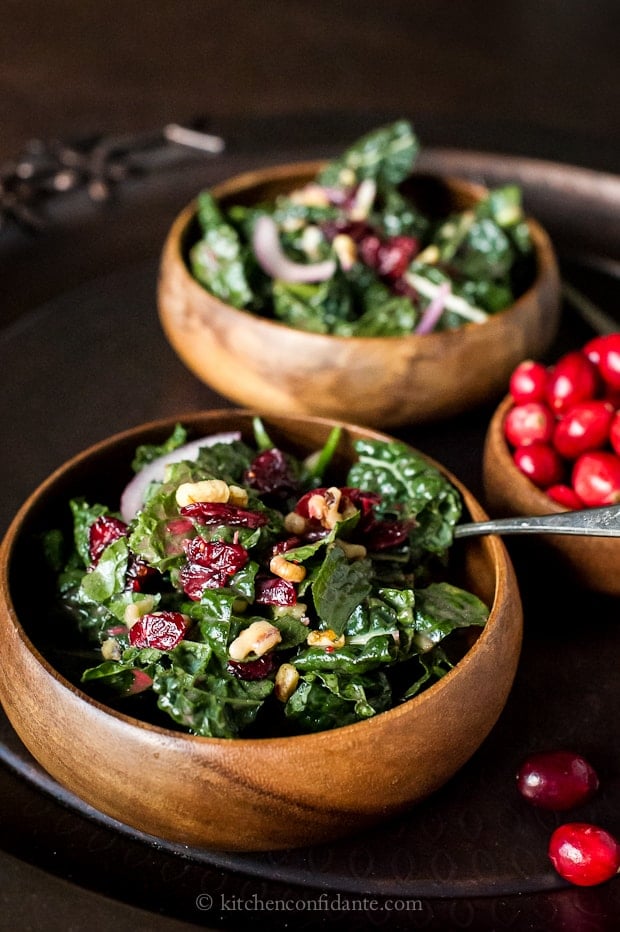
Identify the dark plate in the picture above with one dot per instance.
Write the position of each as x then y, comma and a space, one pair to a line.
84, 357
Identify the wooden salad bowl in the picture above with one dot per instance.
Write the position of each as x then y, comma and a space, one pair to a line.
593, 562
242, 794
377, 381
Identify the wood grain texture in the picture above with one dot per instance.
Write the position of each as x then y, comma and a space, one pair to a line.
246, 794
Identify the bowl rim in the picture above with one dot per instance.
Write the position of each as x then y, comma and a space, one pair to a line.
546, 260
494, 545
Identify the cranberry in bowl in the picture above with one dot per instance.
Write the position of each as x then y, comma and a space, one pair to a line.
552, 445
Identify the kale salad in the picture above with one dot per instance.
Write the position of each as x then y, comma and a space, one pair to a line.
238, 591
351, 254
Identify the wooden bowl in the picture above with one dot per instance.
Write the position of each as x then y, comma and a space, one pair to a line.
593, 562
240, 794
378, 381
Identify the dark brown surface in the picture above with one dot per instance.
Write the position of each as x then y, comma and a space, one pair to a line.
519, 77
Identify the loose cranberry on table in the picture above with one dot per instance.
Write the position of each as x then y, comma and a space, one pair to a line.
584, 854
556, 780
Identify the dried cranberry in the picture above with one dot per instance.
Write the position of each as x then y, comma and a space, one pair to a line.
356, 229
211, 564
161, 630
364, 501
258, 669
103, 532
271, 471
271, 590
219, 513
556, 780
385, 534
584, 854
394, 256
390, 257
369, 248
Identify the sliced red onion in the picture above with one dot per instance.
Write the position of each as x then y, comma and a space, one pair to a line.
434, 310
132, 497
268, 251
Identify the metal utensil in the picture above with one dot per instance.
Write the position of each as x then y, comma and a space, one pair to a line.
587, 522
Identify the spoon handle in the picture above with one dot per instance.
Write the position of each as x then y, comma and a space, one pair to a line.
588, 522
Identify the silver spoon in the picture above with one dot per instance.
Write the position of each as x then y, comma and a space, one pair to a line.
588, 522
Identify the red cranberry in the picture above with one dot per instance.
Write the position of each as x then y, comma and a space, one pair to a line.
584, 427
573, 379
258, 669
584, 854
564, 495
103, 532
556, 780
528, 382
527, 422
540, 463
596, 478
604, 353
614, 432
161, 630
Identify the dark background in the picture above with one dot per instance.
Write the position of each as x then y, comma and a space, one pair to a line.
535, 76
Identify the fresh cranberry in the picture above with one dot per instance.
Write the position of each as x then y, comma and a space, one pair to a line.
584, 854
556, 780
161, 630
258, 669
596, 478
564, 495
540, 463
604, 353
218, 513
528, 382
527, 422
103, 532
584, 427
614, 432
573, 379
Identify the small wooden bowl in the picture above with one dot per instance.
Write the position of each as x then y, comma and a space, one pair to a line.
239, 794
593, 562
378, 381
